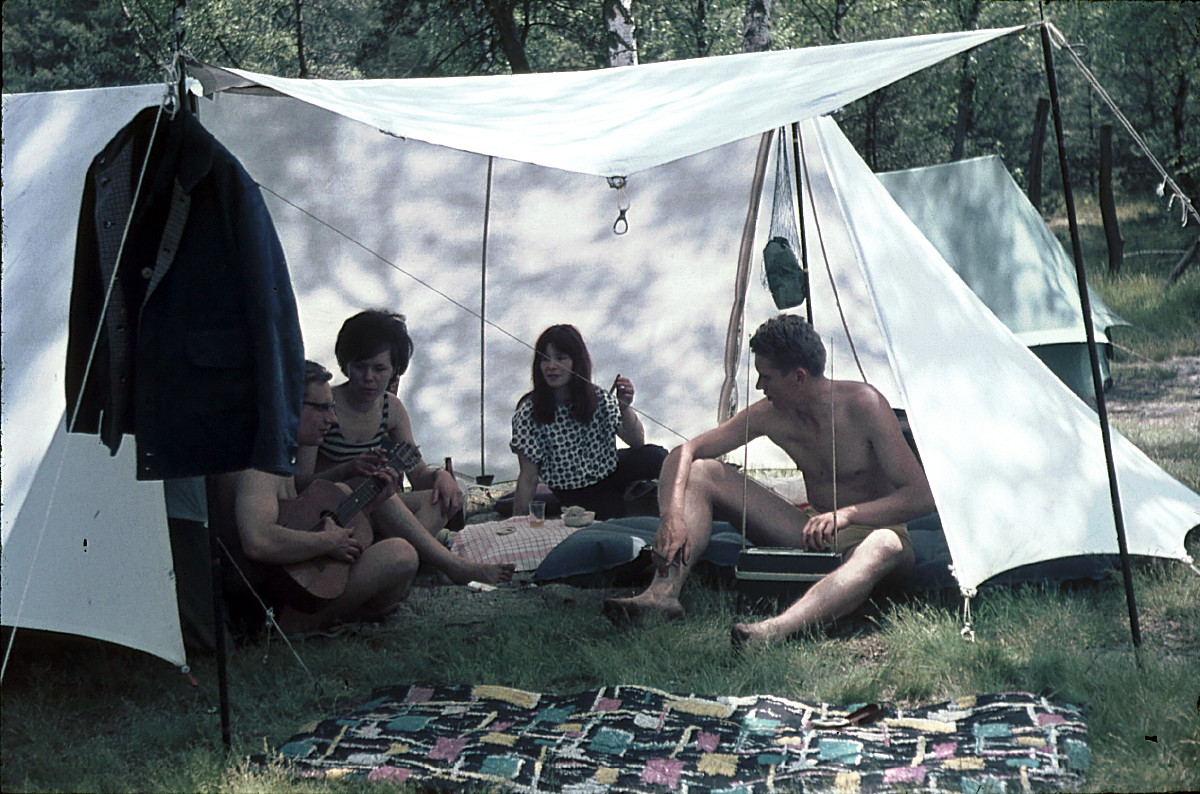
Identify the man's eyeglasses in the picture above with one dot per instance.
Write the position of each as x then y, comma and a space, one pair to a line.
322, 407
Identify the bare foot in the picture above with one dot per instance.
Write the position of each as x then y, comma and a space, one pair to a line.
635, 610
744, 636
487, 573
748, 635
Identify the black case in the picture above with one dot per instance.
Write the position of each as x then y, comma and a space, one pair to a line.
776, 576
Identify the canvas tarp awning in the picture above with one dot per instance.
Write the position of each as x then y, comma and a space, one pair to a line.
623, 120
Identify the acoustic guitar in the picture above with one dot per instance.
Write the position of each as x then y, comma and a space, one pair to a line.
312, 583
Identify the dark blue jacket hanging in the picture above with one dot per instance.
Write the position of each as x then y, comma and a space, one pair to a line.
199, 352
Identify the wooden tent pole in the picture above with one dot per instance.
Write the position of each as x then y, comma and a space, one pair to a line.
487, 214
1085, 305
218, 607
733, 334
188, 102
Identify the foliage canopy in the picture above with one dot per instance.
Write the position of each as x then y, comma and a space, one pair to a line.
1146, 54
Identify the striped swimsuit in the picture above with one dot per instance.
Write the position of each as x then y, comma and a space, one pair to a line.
337, 449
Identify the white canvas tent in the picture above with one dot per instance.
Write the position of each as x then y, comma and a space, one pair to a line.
985, 228
396, 220
85, 548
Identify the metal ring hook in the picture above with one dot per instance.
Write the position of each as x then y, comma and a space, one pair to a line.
621, 224
171, 101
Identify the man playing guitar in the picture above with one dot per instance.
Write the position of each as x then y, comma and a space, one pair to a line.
379, 572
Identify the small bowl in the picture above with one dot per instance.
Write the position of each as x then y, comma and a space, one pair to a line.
578, 517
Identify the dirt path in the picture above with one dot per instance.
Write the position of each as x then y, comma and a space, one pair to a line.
1156, 390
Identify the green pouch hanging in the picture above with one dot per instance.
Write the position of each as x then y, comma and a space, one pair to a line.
785, 278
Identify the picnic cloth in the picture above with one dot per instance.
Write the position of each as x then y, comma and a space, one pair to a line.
512, 540
634, 739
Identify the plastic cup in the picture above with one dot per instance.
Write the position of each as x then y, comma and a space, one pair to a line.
537, 514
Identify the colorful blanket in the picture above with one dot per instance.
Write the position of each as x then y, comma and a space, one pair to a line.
635, 739
510, 541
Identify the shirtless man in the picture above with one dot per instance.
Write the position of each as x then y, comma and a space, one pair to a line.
380, 572
879, 486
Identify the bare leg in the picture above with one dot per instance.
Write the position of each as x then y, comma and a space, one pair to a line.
379, 581
880, 555
394, 519
770, 519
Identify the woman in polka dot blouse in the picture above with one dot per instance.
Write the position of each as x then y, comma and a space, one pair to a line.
565, 431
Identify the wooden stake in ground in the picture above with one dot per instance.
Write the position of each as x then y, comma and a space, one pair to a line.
1190, 256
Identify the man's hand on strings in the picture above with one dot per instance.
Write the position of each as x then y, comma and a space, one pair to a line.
389, 482
365, 465
344, 547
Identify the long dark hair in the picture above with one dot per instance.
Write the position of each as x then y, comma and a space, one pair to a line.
567, 340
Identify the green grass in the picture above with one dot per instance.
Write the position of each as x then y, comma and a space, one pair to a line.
104, 719
84, 716
1165, 318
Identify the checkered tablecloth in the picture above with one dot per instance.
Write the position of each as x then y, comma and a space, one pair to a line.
510, 541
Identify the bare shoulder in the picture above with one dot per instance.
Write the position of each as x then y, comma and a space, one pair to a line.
261, 484
759, 418
863, 398
397, 413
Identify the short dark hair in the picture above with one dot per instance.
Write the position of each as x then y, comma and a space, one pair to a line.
315, 373
788, 341
370, 333
568, 341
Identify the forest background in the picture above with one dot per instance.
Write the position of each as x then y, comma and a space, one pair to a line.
1146, 54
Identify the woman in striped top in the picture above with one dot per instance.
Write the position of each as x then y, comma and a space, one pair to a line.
373, 349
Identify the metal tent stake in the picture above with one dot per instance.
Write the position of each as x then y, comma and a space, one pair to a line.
1097, 380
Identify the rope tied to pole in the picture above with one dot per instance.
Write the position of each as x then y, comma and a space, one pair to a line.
1185, 205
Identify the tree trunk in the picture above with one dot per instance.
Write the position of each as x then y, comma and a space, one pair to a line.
620, 32
840, 9
757, 35
968, 20
300, 58
1037, 143
1108, 203
1179, 127
501, 12
966, 98
701, 28
1179, 104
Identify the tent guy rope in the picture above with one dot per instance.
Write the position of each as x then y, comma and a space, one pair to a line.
837, 298
1185, 207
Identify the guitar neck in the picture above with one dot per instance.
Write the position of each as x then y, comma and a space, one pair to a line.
405, 456
356, 501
